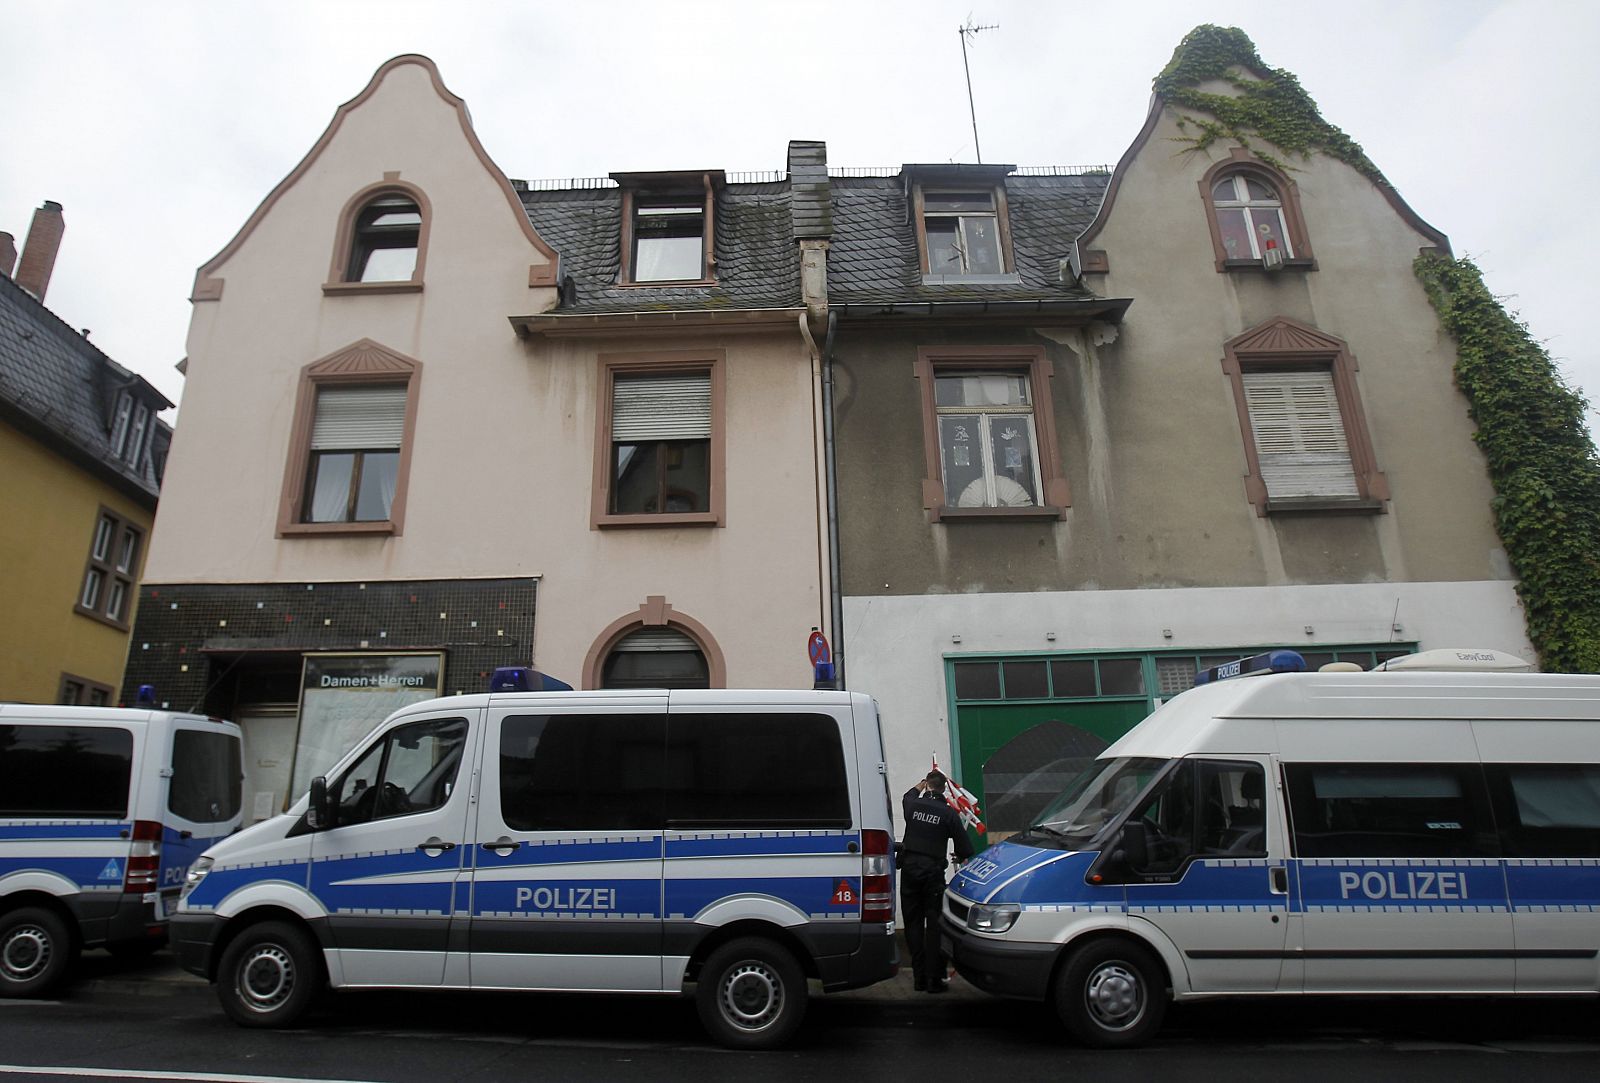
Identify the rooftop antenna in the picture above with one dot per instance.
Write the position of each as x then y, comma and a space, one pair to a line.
967, 31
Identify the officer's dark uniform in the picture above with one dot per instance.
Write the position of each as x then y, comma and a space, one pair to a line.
930, 823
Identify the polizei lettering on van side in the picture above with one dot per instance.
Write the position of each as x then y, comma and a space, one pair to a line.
567, 898
1422, 885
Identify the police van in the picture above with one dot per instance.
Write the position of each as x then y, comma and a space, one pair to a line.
731, 843
102, 810
1430, 829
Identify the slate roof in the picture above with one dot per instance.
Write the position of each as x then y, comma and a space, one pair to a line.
757, 264
874, 257
59, 388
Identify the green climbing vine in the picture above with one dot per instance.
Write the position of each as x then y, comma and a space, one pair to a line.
1541, 458
1272, 107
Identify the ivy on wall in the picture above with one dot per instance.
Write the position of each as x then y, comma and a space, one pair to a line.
1272, 107
1530, 425
1542, 462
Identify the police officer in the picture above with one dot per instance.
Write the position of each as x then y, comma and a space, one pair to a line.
930, 824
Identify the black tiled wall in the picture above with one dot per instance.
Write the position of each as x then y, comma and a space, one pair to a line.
185, 635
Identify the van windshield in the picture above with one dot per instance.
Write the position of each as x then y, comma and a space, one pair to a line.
1097, 797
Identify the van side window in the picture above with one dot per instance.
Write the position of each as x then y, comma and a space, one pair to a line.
206, 776
1390, 810
1547, 809
590, 772
65, 772
1232, 809
410, 769
755, 770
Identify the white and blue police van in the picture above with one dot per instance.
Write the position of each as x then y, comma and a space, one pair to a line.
1430, 829
734, 844
102, 810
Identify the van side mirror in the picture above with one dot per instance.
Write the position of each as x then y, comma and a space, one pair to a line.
1134, 845
319, 817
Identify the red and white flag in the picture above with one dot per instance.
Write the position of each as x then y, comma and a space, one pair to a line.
962, 800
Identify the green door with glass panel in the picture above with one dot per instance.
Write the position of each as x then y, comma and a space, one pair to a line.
1024, 727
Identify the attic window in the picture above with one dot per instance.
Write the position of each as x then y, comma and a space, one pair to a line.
962, 230
387, 234
667, 228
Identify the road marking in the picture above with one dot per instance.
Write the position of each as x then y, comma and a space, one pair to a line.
132, 1073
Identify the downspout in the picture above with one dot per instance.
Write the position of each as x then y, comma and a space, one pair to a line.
830, 464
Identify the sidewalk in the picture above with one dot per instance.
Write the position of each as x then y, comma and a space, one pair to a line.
159, 975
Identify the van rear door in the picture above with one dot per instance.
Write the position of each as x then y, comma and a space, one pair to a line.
203, 797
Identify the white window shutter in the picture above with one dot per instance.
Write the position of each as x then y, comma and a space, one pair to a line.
675, 407
1299, 434
359, 418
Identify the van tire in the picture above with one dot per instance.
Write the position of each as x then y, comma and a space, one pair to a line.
36, 950
1111, 994
269, 974
751, 994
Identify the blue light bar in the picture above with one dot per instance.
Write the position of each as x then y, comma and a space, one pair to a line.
147, 695
1270, 662
826, 678
525, 679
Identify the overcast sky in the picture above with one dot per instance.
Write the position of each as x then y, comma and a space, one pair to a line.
159, 126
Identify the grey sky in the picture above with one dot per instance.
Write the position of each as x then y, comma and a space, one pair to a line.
161, 125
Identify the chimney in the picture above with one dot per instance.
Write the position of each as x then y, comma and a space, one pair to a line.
39, 253
8, 254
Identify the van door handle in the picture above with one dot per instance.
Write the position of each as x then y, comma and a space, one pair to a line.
435, 846
501, 846
1280, 880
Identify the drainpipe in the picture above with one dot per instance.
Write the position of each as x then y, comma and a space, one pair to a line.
831, 465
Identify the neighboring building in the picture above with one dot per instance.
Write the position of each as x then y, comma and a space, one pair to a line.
436, 422
1092, 434
81, 451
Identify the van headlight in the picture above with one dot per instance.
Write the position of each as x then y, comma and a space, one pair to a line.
196, 873
996, 918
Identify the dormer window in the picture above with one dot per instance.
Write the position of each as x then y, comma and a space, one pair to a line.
667, 228
668, 240
963, 233
387, 234
130, 430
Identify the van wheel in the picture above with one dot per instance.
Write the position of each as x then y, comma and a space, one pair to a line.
1111, 994
268, 975
751, 994
35, 951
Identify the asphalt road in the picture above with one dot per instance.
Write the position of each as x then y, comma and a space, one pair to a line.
125, 1029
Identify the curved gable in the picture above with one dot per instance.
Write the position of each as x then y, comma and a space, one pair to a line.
207, 283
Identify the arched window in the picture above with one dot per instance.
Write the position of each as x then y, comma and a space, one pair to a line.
382, 241
1249, 217
656, 658
384, 245
1254, 216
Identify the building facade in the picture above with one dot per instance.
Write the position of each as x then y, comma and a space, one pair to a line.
82, 451
437, 422
1097, 431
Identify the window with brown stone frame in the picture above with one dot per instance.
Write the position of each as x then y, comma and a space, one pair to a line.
1253, 212
106, 593
659, 440
668, 228
78, 691
382, 240
1306, 442
350, 443
989, 437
